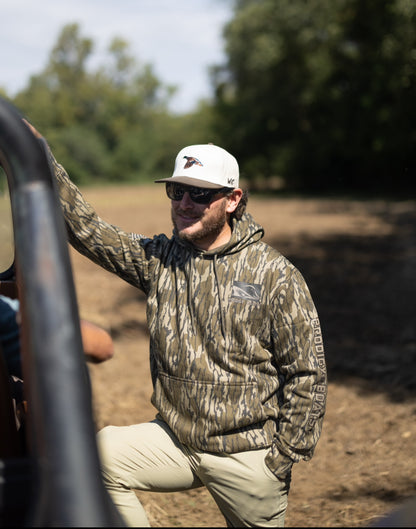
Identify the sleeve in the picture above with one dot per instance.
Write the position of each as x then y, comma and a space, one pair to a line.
299, 354
10, 335
103, 243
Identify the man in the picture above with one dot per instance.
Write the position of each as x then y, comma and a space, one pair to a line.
237, 361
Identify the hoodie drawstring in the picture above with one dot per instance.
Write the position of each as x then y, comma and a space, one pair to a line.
219, 297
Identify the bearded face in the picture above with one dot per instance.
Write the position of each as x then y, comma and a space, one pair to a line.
201, 224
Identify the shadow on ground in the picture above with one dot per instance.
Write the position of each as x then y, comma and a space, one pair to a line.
365, 291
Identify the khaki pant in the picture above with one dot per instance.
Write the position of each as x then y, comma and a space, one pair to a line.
149, 457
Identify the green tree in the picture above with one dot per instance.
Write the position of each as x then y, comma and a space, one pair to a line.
321, 93
98, 122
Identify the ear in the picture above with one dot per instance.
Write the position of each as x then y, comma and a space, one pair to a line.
233, 200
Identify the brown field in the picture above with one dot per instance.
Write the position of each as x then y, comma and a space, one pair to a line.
359, 259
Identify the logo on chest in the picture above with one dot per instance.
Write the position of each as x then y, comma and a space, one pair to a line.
246, 291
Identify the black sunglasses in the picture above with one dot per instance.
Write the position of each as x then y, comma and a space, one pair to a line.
199, 195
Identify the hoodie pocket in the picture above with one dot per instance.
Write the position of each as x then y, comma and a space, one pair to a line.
196, 408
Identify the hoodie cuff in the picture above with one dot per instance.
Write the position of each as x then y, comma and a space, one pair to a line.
278, 463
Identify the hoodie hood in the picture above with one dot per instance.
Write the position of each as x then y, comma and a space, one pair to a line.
244, 232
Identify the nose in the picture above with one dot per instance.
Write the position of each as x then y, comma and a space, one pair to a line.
186, 201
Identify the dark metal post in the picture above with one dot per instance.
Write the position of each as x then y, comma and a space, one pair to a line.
61, 428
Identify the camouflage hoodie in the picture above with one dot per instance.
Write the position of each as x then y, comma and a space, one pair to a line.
236, 351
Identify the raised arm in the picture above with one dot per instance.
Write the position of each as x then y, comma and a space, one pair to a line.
103, 243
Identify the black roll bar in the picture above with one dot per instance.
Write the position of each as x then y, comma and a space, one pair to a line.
61, 434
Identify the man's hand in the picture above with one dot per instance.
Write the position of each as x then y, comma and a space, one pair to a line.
32, 128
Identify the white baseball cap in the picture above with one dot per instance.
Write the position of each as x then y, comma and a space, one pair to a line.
206, 165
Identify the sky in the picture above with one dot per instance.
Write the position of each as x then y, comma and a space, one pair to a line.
179, 38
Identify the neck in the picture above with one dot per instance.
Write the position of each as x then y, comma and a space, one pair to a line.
210, 243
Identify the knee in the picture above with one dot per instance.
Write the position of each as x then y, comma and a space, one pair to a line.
108, 446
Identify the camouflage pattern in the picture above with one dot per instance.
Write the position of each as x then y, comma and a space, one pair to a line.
236, 350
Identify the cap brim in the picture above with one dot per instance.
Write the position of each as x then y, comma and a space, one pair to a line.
186, 180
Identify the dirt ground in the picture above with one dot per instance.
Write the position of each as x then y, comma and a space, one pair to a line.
359, 259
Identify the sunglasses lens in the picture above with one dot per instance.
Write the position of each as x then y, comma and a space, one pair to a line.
197, 194
201, 196
174, 191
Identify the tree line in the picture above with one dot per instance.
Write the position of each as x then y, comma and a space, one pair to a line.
317, 96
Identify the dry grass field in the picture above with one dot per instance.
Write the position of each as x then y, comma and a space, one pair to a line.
359, 259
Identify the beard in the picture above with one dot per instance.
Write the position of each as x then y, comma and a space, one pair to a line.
212, 223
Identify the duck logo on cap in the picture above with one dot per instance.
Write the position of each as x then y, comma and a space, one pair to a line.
190, 161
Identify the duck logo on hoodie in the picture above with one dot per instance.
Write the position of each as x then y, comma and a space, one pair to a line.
247, 291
